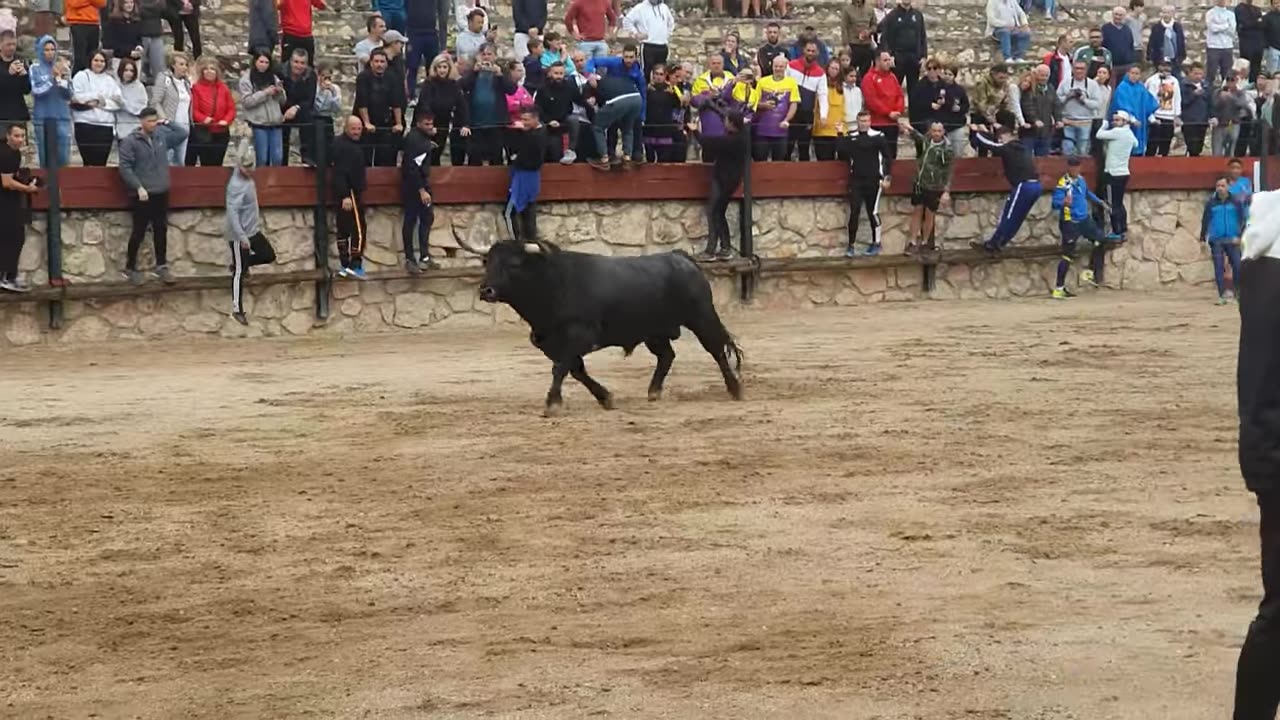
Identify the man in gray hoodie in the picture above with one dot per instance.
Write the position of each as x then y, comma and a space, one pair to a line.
144, 168
248, 245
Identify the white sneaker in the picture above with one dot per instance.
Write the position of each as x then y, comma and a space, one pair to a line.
7, 284
570, 157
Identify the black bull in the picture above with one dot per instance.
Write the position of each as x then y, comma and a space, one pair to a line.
577, 303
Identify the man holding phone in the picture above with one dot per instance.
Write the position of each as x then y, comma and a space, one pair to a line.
13, 192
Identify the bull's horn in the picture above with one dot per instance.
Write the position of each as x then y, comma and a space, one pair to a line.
464, 244
533, 248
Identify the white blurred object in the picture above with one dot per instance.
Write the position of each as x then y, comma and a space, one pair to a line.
1263, 230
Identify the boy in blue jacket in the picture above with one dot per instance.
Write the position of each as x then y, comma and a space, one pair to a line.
1221, 227
1071, 199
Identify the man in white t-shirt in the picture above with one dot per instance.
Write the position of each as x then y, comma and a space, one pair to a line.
376, 27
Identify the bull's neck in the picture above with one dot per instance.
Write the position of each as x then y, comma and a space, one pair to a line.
533, 306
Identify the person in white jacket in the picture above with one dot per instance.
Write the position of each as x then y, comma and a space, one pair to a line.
1007, 23
1167, 91
95, 95
133, 98
1219, 39
651, 22
1118, 142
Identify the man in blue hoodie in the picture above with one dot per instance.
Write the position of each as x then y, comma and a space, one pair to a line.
424, 40
1221, 227
1071, 200
51, 87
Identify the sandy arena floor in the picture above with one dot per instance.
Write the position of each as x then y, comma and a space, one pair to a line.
929, 510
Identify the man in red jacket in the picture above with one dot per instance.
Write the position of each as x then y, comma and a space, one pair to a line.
295, 26
883, 98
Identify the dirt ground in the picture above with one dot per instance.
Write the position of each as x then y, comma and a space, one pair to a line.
930, 510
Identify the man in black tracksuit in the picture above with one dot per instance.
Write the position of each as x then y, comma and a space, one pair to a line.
348, 187
730, 153
1023, 177
415, 191
870, 156
902, 33
1258, 389
555, 101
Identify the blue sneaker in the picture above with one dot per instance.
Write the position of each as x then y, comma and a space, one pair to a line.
1114, 237
873, 249
851, 252
358, 273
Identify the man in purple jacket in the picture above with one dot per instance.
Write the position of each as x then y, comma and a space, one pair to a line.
774, 100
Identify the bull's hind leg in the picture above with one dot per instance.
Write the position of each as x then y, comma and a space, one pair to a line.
661, 347
716, 341
598, 391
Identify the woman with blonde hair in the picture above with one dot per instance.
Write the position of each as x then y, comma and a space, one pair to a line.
442, 96
173, 99
212, 112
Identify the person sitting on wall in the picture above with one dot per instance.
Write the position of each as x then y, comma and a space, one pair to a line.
248, 245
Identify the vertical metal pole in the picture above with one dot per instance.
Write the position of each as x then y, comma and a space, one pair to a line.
53, 220
323, 129
745, 219
1264, 150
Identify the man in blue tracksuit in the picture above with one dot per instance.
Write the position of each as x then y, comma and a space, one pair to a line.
424, 41
1071, 200
1240, 187
1024, 181
1221, 227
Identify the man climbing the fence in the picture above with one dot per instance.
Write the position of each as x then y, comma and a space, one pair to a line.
248, 245
1019, 170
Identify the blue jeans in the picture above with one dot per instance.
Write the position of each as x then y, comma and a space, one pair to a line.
64, 142
625, 115
594, 48
395, 19
1075, 140
1013, 43
1231, 251
268, 146
423, 48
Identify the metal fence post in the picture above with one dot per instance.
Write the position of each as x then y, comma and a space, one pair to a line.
323, 129
745, 218
53, 220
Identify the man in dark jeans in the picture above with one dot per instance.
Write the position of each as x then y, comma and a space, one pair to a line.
144, 168
1258, 388
730, 152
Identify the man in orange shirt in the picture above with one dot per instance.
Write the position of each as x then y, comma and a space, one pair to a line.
82, 17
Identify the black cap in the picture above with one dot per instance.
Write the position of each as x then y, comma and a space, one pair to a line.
1073, 161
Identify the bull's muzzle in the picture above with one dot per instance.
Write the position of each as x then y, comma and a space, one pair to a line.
488, 294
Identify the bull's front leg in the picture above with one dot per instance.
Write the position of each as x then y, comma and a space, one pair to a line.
566, 351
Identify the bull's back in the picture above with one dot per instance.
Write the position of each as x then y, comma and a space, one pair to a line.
634, 298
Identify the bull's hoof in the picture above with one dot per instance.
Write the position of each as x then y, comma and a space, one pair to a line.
655, 395
606, 402
553, 410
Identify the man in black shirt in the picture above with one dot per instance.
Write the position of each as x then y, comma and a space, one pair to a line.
771, 48
528, 151
902, 33
380, 103
300, 106
15, 83
12, 206
1024, 181
730, 152
348, 186
870, 156
415, 191
555, 101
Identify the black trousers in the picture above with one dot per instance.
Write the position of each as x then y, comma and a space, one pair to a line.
651, 55
306, 129
484, 144
1161, 138
381, 148
85, 39
826, 148
862, 57
260, 252
418, 219
1116, 185
207, 150
289, 43
94, 142
155, 213
770, 148
1193, 135
800, 134
1258, 672
351, 232
717, 223
191, 22
1254, 56
907, 67
864, 195
13, 235
891, 137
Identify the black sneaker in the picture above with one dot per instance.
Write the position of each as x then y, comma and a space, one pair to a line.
240, 318
724, 254
427, 263
412, 267
705, 256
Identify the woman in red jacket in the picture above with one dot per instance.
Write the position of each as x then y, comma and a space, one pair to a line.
212, 110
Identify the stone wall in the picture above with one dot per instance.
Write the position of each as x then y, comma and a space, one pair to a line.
1162, 251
